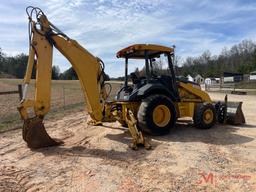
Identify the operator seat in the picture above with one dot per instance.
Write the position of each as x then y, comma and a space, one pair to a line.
134, 77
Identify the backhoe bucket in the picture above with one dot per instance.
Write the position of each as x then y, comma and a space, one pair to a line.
35, 135
235, 114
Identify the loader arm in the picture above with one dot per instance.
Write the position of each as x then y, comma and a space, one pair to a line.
89, 70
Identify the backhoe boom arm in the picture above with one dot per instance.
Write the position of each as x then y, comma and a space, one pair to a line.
90, 71
87, 67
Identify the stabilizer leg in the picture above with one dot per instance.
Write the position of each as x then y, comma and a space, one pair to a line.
137, 137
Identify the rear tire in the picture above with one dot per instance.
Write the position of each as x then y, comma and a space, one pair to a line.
156, 115
205, 116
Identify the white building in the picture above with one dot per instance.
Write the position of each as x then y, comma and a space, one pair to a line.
190, 78
252, 76
228, 79
199, 79
208, 81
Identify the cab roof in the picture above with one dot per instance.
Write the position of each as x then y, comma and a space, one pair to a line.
137, 51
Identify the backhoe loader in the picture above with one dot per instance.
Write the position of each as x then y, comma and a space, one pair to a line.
152, 103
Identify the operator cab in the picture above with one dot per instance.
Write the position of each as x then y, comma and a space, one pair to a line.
153, 78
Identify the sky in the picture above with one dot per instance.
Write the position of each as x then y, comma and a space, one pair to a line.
103, 27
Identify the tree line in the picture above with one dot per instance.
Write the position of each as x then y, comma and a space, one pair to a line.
15, 66
240, 58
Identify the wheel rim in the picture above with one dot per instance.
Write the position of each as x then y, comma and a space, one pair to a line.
208, 116
161, 115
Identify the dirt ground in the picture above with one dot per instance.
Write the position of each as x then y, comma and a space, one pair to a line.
99, 159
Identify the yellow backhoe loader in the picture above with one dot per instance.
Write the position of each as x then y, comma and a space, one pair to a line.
152, 103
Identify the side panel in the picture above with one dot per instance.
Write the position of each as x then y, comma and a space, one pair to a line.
189, 92
185, 109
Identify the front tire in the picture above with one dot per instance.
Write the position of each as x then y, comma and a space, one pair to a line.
156, 115
205, 116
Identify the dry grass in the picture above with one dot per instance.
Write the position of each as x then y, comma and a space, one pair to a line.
65, 94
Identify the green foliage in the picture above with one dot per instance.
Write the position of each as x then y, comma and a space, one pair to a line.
239, 58
55, 72
15, 66
69, 74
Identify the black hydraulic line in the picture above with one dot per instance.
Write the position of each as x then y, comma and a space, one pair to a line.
110, 89
174, 84
147, 65
151, 67
126, 72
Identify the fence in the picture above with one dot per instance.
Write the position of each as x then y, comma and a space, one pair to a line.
66, 96
62, 98
243, 86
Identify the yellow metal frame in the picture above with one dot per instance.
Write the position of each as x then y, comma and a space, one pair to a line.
89, 72
143, 47
185, 109
208, 116
84, 63
161, 115
190, 94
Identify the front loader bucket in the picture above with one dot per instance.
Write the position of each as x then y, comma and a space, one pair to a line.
34, 133
235, 115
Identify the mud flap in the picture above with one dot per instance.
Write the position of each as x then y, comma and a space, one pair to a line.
235, 115
34, 133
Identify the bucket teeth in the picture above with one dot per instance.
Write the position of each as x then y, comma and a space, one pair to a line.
34, 133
